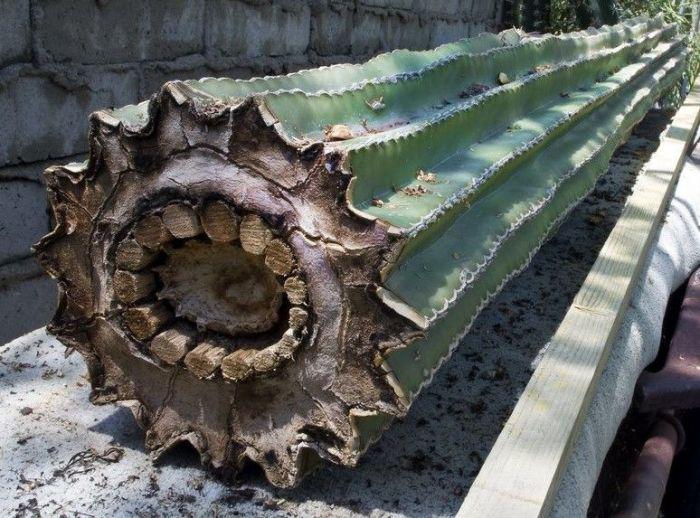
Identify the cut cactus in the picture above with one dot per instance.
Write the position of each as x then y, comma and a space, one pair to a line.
274, 268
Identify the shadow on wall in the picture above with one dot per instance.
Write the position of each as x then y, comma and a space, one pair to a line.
120, 52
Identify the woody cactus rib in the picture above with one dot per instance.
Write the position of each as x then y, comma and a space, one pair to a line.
274, 268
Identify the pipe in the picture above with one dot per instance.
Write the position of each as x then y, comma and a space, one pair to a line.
677, 385
647, 484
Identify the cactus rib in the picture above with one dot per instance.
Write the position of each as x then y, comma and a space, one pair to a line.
457, 137
526, 174
483, 284
416, 94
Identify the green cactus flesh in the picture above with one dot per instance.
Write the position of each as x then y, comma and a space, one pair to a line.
275, 267
498, 234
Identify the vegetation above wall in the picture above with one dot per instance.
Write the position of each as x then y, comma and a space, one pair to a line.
558, 16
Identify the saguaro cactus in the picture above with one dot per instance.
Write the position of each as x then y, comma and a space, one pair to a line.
273, 268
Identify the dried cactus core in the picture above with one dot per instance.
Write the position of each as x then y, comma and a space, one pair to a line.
206, 296
275, 276
221, 288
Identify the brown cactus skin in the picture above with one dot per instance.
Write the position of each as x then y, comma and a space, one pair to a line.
283, 419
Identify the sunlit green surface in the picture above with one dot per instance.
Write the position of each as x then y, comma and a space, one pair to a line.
429, 279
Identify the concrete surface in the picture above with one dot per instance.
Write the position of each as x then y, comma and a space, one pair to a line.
15, 34
27, 296
423, 466
62, 59
21, 222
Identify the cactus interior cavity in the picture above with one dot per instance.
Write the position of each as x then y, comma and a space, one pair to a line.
273, 268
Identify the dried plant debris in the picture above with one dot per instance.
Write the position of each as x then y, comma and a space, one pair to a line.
376, 104
424, 176
213, 108
415, 190
86, 461
338, 132
540, 69
366, 127
474, 89
503, 78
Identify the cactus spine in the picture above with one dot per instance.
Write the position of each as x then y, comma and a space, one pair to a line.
274, 268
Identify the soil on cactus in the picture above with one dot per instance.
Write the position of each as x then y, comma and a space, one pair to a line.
274, 268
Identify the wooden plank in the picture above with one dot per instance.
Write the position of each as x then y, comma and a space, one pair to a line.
522, 472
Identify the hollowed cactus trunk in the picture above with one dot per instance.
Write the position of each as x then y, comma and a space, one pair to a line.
273, 268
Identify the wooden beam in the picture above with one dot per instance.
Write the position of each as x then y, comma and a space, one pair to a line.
132, 256
151, 232
219, 221
204, 359
181, 220
523, 470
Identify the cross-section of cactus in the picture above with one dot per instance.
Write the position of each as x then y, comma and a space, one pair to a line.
273, 268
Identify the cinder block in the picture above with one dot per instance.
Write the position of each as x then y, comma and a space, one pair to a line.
111, 31
454, 8
483, 10
45, 114
34, 171
155, 75
406, 31
331, 30
368, 32
444, 31
26, 304
479, 27
23, 216
15, 39
395, 4
239, 29
445, 8
296, 63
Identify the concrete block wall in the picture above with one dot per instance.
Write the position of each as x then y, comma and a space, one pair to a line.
62, 59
